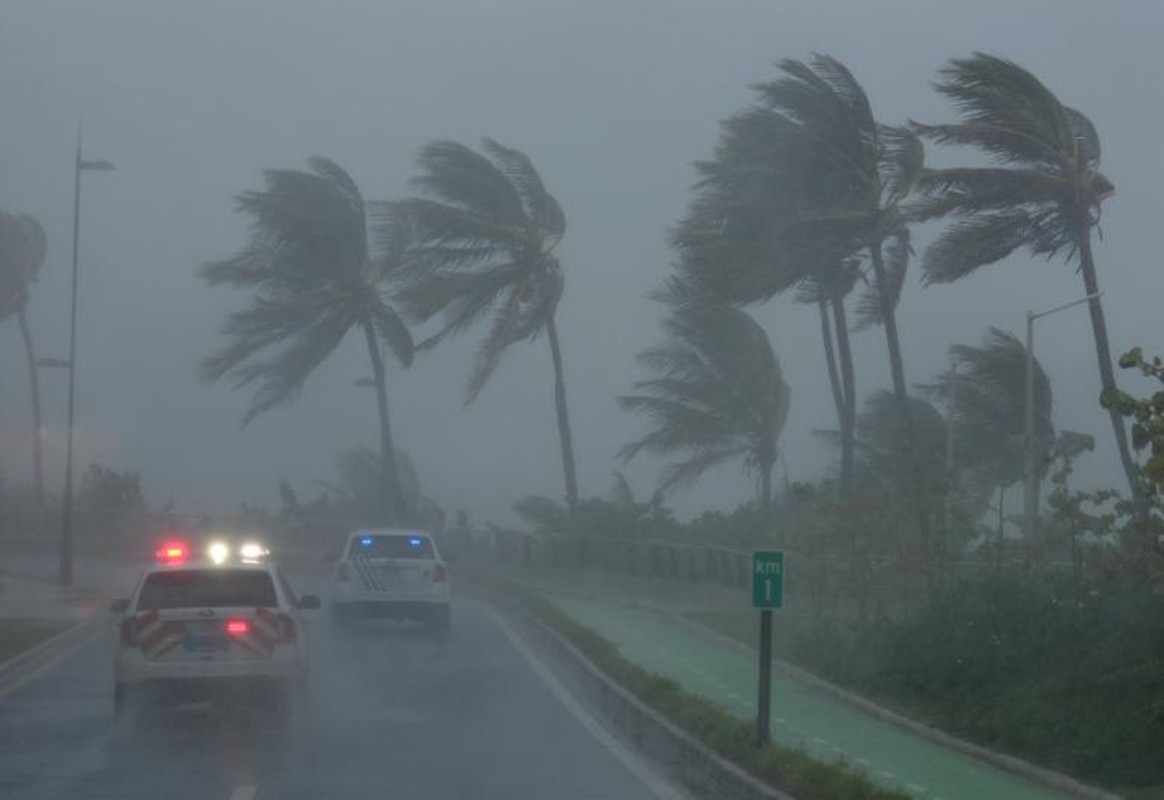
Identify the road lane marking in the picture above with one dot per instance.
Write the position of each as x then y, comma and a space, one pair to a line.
244, 793
659, 787
52, 663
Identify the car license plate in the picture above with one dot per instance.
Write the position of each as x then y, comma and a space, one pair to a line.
206, 643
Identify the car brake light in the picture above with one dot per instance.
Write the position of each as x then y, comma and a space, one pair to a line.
343, 574
287, 630
439, 574
238, 627
129, 632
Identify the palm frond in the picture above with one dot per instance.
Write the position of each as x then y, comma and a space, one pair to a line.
460, 177
540, 207
1006, 110
986, 238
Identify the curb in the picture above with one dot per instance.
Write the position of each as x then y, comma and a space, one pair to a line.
1012, 764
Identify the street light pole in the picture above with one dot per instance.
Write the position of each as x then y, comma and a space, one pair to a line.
65, 571
951, 410
1030, 483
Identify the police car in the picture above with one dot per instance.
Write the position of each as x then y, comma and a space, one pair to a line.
223, 627
397, 574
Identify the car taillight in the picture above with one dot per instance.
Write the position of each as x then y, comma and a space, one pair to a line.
439, 574
288, 632
129, 632
238, 627
343, 574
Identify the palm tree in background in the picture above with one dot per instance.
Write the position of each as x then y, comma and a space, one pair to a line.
313, 279
718, 395
481, 241
23, 245
1042, 193
987, 393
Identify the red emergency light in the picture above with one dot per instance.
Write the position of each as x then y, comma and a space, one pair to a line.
172, 552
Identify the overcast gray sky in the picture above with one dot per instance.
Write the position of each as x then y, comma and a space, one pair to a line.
612, 100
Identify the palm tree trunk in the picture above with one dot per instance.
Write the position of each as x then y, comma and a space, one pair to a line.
1106, 371
766, 483
567, 441
897, 370
391, 494
826, 336
849, 390
889, 320
37, 427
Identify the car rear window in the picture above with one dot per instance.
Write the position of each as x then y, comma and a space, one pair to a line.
207, 588
381, 546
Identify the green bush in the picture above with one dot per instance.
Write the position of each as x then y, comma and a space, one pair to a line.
788, 769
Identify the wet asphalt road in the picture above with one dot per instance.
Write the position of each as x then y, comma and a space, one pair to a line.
395, 713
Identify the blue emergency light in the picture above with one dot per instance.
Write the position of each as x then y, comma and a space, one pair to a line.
415, 542
366, 541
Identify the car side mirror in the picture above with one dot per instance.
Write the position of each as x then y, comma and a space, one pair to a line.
119, 606
309, 602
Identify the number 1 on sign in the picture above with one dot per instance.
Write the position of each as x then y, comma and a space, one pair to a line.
768, 591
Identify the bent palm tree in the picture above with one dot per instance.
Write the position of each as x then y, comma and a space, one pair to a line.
718, 395
482, 240
988, 396
313, 280
22, 251
1043, 193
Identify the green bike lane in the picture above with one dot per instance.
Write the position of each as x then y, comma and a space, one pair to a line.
802, 716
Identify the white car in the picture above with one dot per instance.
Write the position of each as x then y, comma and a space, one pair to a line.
226, 629
391, 573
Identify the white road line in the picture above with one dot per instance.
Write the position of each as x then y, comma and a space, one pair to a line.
53, 662
658, 786
244, 793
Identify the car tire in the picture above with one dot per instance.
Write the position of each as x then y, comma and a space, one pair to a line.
127, 709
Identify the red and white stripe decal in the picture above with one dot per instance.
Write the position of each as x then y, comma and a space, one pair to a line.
156, 636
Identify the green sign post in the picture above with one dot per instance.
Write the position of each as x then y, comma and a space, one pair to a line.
767, 594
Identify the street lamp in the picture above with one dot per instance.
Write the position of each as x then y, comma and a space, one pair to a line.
65, 575
1030, 485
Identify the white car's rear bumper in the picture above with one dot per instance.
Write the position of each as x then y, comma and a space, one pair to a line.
286, 663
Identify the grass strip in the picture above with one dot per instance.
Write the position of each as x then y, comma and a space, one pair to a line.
18, 634
785, 768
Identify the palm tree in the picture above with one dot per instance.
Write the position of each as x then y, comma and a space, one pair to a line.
22, 252
988, 395
810, 177
806, 179
1042, 193
718, 395
313, 279
483, 237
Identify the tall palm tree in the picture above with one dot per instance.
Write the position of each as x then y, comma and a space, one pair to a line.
717, 395
838, 177
803, 178
22, 252
1042, 193
729, 250
482, 240
313, 279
